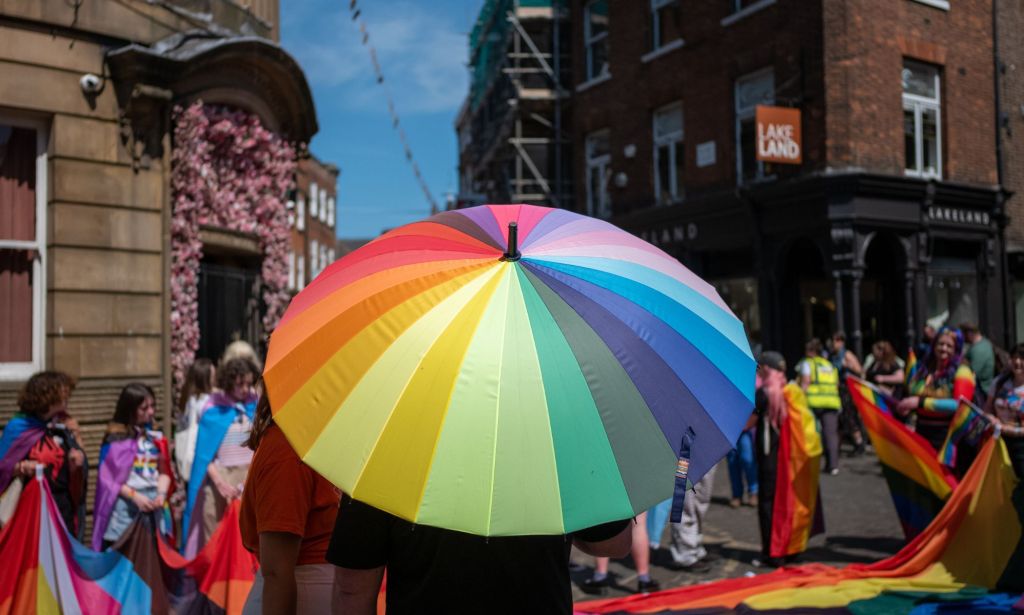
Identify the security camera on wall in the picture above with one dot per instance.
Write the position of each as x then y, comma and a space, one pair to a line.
90, 83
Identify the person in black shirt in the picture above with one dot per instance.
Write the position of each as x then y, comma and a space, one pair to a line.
432, 570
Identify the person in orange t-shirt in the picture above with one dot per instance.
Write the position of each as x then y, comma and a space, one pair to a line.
288, 514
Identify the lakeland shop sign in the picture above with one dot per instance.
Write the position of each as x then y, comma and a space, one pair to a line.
778, 135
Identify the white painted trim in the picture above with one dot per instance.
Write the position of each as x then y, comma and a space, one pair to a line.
22, 371
586, 85
660, 51
750, 10
939, 4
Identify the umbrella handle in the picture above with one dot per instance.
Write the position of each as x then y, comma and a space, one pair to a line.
512, 253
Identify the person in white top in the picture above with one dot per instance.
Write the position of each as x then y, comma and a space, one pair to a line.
194, 395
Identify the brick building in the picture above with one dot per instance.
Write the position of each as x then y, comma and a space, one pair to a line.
313, 207
87, 98
894, 217
1010, 52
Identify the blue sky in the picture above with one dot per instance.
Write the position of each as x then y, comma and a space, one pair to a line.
422, 48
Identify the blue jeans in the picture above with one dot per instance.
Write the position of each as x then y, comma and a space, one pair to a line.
741, 462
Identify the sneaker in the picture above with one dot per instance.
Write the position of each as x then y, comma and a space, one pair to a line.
593, 585
646, 587
833, 472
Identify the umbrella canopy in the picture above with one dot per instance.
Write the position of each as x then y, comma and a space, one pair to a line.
541, 383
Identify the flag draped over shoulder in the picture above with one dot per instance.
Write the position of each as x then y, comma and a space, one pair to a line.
796, 506
20, 435
918, 482
47, 571
971, 555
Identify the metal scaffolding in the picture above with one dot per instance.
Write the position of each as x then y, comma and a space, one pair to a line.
512, 148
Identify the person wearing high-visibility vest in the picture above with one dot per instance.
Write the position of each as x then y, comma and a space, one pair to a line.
820, 381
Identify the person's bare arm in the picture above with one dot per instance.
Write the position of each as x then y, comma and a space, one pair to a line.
355, 591
278, 553
616, 546
853, 364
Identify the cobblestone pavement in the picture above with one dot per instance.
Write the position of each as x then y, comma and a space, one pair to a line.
860, 526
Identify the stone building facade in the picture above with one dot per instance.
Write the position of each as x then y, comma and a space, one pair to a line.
87, 95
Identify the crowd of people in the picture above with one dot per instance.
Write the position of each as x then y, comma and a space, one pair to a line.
226, 447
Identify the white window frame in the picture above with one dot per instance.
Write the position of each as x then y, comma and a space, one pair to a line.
589, 40
300, 272
314, 200
746, 113
919, 105
670, 139
740, 13
331, 204
314, 258
939, 4
323, 258
300, 212
23, 370
291, 269
598, 207
657, 44
323, 206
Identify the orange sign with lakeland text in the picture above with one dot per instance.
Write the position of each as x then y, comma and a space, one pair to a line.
778, 135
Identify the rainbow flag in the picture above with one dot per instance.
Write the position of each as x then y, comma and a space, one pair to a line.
918, 482
971, 557
796, 508
967, 428
47, 571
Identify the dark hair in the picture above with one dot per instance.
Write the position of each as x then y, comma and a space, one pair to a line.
43, 390
888, 353
813, 346
968, 328
198, 380
1017, 351
234, 369
839, 335
132, 396
261, 420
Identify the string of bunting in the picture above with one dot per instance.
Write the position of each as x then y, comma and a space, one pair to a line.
395, 122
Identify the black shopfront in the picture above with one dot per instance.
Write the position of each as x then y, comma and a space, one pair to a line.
876, 256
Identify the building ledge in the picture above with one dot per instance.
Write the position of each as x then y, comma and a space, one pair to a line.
750, 10
939, 4
586, 85
664, 49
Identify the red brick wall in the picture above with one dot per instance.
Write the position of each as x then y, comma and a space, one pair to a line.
1011, 52
840, 59
865, 44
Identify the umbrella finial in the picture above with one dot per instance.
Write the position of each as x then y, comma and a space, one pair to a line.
512, 252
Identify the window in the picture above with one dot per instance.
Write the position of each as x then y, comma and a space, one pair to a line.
323, 258
300, 213
922, 120
739, 5
599, 161
291, 213
314, 258
751, 90
291, 270
22, 248
330, 212
668, 154
314, 200
300, 272
595, 38
323, 206
665, 20
332, 255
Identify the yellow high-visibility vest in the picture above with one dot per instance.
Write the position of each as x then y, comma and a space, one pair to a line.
823, 392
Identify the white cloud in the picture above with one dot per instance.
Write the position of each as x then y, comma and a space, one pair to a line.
422, 54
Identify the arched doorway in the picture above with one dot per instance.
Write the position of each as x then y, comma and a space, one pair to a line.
806, 302
883, 307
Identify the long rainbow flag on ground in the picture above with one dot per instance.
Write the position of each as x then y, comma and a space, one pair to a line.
971, 557
918, 482
796, 507
46, 571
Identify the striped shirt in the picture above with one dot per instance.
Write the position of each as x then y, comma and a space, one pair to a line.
232, 451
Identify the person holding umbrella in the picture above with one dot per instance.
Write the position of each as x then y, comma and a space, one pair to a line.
521, 394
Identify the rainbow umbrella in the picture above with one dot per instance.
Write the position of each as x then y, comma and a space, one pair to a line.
455, 376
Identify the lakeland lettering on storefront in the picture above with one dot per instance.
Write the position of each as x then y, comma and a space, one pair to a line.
778, 135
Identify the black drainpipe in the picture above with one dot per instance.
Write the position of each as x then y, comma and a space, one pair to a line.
1009, 330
